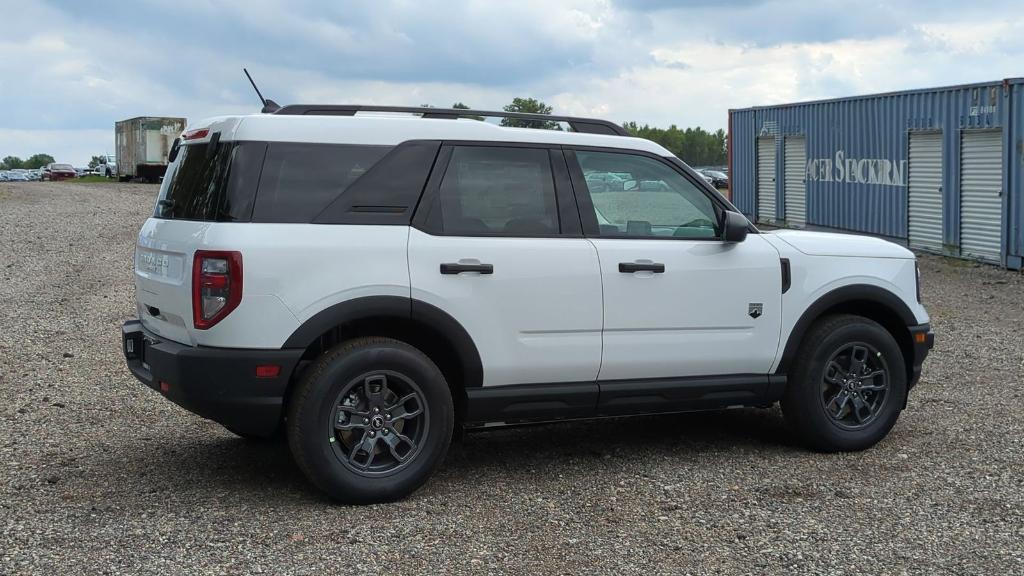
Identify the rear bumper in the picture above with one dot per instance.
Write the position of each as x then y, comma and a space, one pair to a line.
923, 339
215, 383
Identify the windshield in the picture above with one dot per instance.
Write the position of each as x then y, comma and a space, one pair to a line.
61, 167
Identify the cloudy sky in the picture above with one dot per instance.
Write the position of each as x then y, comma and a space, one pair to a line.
68, 70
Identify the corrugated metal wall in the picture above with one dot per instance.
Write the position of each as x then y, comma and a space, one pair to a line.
858, 157
981, 183
795, 184
1013, 176
924, 189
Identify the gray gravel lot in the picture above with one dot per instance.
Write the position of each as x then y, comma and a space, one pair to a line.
99, 475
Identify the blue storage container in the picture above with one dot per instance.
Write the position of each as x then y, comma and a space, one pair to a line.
939, 169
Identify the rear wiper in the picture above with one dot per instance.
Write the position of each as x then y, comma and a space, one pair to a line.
165, 206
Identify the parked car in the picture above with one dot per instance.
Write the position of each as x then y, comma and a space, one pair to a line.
3, 175
56, 171
717, 178
16, 176
403, 281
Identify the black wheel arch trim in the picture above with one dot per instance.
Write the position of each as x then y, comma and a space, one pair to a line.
838, 296
398, 307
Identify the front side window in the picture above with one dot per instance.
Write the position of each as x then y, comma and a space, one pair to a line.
637, 196
498, 191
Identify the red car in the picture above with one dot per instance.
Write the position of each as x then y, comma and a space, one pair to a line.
59, 172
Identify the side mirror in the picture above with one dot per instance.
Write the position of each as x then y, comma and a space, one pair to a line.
734, 227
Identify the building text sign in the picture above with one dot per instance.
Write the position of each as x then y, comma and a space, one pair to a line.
842, 168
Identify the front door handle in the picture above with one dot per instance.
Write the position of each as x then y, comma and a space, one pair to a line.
456, 268
631, 267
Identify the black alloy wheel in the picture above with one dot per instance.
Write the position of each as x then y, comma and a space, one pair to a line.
854, 385
379, 423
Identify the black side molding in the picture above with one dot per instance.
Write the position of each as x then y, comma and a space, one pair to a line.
787, 275
540, 402
531, 402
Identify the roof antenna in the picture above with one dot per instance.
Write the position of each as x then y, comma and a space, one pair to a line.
269, 106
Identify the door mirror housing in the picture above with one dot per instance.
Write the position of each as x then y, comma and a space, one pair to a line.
734, 227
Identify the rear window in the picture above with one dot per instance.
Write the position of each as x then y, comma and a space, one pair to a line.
260, 181
300, 180
212, 184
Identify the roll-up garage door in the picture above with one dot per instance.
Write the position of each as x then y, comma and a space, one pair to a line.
981, 199
766, 179
795, 182
925, 191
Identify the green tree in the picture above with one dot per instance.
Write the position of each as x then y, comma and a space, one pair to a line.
530, 106
11, 162
461, 106
38, 161
695, 146
96, 161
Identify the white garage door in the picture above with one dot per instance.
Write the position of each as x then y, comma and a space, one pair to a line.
766, 179
925, 191
795, 182
981, 199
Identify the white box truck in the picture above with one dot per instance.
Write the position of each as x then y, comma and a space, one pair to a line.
143, 144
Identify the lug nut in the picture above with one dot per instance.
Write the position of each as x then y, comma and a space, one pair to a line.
366, 420
384, 431
372, 433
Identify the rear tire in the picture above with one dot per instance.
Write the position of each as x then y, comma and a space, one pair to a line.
848, 387
370, 420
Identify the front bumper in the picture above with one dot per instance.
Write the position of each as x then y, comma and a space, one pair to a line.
215, 383
923, 339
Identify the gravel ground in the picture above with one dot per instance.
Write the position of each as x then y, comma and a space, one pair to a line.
99, 475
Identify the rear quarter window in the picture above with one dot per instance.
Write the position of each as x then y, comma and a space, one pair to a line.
215, 184
299, 180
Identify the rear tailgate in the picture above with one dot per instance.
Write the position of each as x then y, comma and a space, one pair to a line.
163, 283
192, 198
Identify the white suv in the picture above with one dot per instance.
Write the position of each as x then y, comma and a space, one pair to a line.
371, 280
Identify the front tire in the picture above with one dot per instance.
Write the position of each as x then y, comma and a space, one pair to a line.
370, 420
848, 387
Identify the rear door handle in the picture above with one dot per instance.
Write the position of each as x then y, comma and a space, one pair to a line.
631, 267
456, 268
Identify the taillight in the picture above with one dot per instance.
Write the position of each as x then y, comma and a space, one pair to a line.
216, 286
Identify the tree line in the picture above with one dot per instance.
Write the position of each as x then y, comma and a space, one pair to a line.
695, 146
31, 163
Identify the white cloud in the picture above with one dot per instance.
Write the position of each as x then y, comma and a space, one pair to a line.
64, 85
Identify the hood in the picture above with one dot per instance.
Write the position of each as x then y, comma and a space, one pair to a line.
830, 244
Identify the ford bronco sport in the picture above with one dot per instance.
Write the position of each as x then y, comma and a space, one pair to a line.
371, 279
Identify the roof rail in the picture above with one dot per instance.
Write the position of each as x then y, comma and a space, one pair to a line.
586, 125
